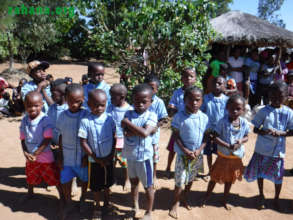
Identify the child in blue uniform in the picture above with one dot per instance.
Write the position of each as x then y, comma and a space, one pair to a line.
139, 125
231, 132
72, 159
176, 104
214, 105
157, 106
189, 127
272, 124
117, 110
97, 136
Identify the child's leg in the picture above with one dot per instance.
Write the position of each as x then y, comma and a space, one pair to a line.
30, 190
210, 189
66, 188
278, 188
184, 196
155, 176
261, 202
226, 194
173, 210
171, 156
150, 202
210, 162
127, 186
134, 193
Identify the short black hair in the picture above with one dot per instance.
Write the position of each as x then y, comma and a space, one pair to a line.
152, 78
73, 88
57, 82
190, 90
187, 69
68, 79
141, 88
84, 77
95, 92
234, 98
92, 65
49, 76
218, 77
120, 87
279, 86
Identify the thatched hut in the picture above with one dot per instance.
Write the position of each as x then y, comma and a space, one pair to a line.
239, 28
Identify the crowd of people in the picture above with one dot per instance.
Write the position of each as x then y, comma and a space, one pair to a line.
81, 130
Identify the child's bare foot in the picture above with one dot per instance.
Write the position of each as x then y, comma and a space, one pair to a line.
50, 188
261, 202
185, 205
227, 207
203, 202
127, 186
173, 211
277, 206
147, 216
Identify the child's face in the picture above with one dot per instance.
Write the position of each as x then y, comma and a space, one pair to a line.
277, 98
38, 75
98, 104
142, 101
97, 74
57, 95
75, 100
193, 101
188, 78
33, 106
218, 86
154, 86
118, 97
235, 109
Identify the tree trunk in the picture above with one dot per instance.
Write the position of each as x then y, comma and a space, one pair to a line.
11, 60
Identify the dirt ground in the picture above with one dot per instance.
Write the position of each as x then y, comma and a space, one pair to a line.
44, 205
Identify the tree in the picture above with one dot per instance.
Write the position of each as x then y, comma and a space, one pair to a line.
222, 6
267, 9
175, 35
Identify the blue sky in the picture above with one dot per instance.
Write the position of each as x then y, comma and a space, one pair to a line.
250, 6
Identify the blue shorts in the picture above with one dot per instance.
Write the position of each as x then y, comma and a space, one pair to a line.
144, 171
68, 173
210, 148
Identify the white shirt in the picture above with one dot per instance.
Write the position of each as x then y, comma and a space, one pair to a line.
238, 76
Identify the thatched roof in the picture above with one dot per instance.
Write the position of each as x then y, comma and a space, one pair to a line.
236, 27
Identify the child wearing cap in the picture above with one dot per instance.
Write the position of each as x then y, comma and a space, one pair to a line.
36, 70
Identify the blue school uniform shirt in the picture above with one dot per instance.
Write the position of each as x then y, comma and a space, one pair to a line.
177, 99
275, 119
99, 132
89, 87
215, 108
158, 107
117, 114
229, 134
68, 128
54, 113
32, 86
191, 129
253, 73
34, 130
138, 148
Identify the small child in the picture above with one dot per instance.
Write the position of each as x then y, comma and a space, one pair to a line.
117, 110
58, 95
36, 135
50, 78
189, 127
18, 105
176, 104
72, 160
272, 124
84, 79
96, 72
36, 70
97, 137
157, 106
214, 105
139, 125
231, 132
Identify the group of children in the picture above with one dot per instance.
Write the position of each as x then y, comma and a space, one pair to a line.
82, 131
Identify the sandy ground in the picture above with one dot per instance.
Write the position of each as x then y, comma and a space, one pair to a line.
44, 205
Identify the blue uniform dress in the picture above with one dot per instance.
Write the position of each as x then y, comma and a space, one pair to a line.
215, 108
158, 107
228, 166
32, 86
138, 150
72, 150
117, 114
191, 129
54, 114
268, 159
99, 131
89, 87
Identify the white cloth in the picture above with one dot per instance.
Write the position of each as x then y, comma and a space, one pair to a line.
238, 76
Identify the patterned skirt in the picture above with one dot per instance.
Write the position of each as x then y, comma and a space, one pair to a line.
227, 169
270, 168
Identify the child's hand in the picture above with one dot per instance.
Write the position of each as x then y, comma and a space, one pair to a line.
43, 84
29, 157
190, 154
128, 133
278, 133
124, 122
197, 152
54, 147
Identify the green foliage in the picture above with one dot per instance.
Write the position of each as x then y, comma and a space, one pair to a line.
222, 6
267, 10
175, 34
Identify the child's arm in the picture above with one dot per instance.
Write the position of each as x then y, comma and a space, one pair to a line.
41, 88
203, 144
261, 131
27, 155
43, 145
89, 152
172, 110
139, 131
179, 142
